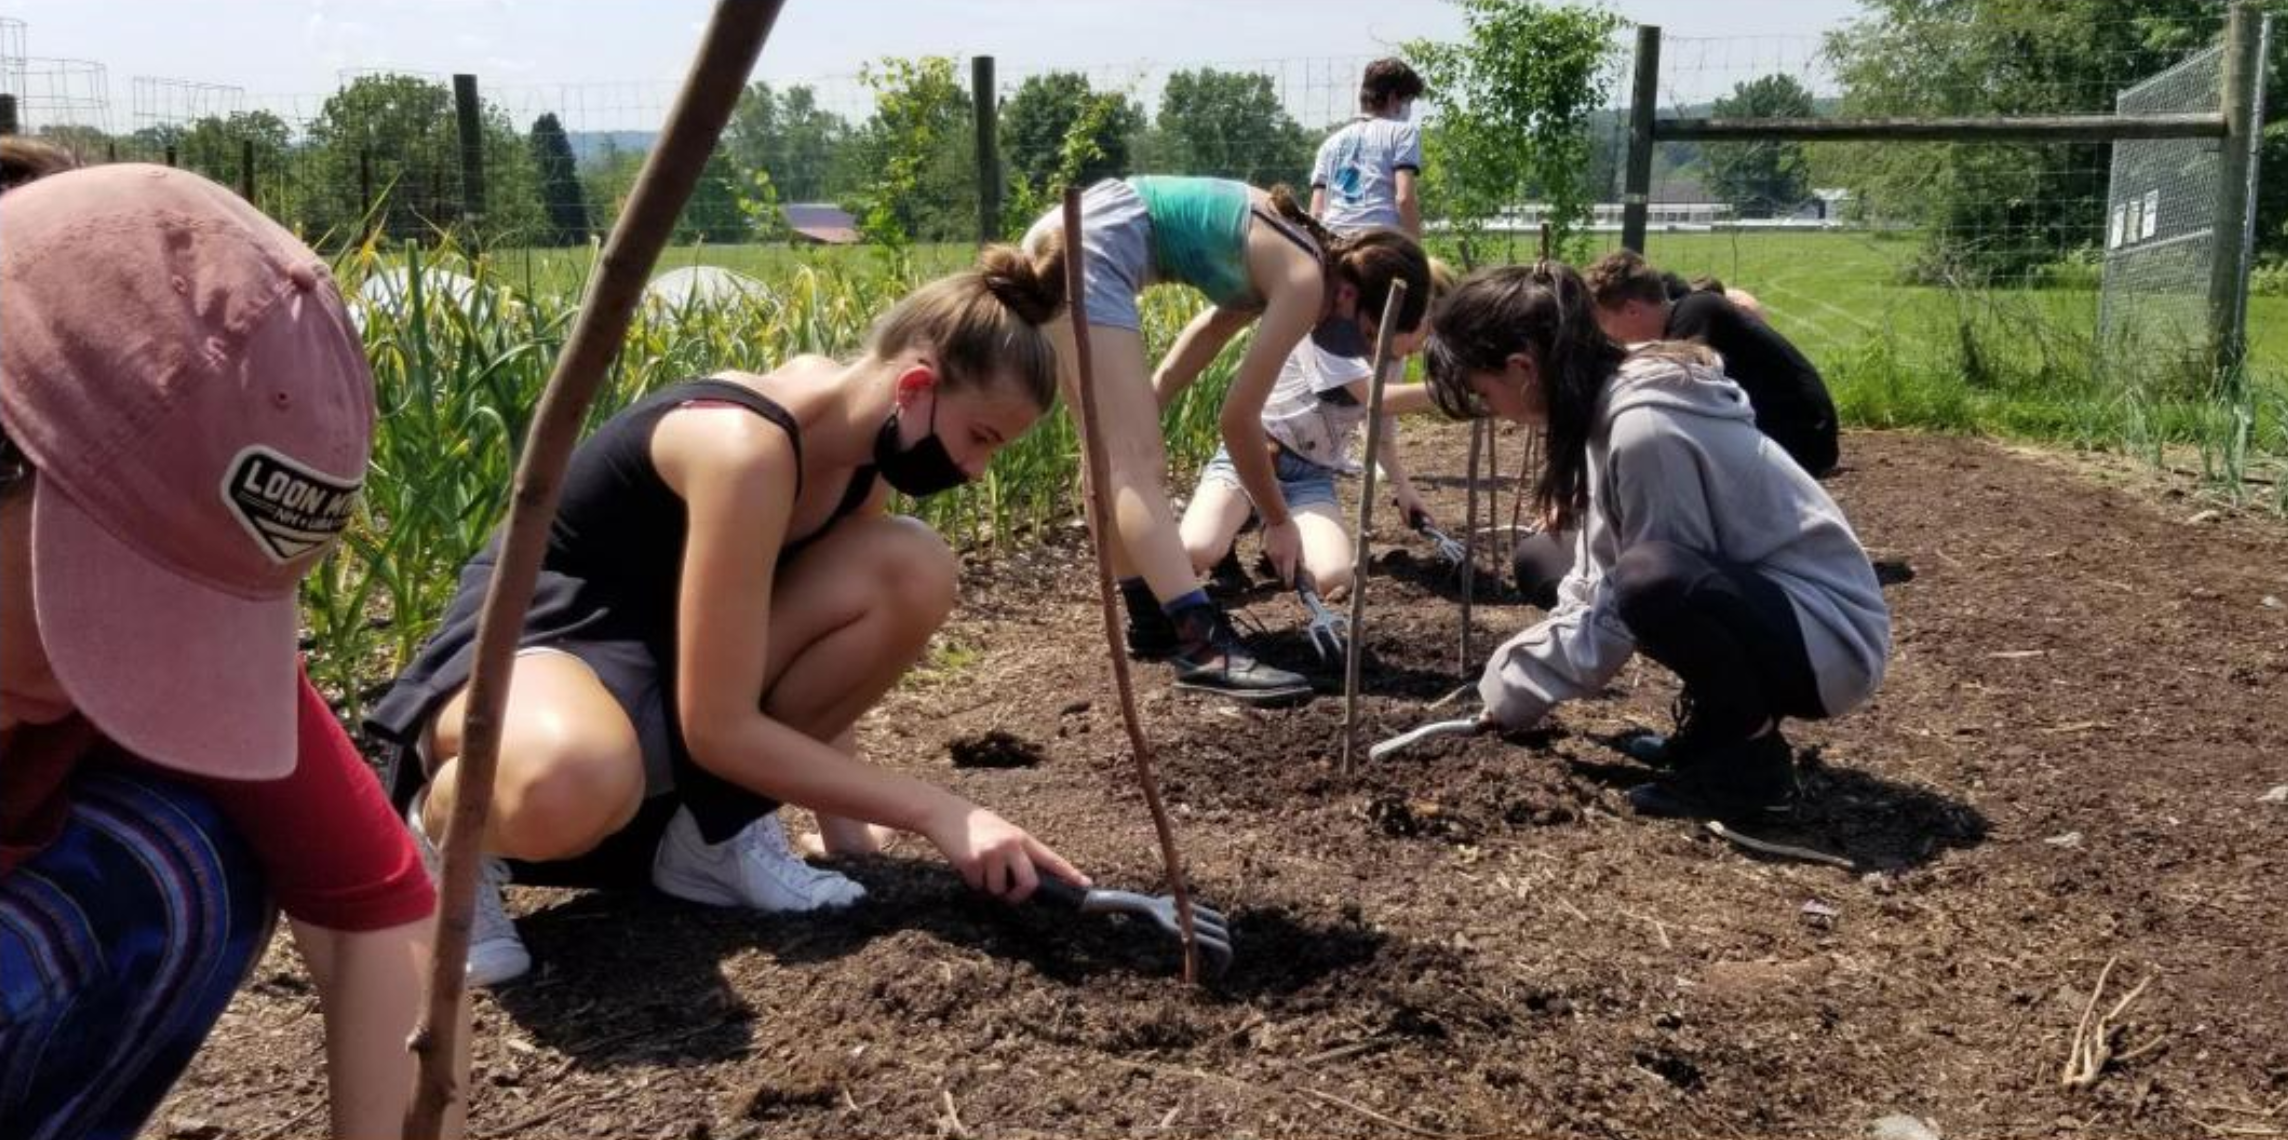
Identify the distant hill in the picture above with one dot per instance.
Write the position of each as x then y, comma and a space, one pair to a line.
586, 145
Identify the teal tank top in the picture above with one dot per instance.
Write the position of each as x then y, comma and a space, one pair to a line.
1199, 235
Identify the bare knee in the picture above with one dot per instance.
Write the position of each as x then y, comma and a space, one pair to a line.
1204, 550
916, 572
568, 800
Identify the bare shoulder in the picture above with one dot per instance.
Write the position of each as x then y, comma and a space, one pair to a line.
719, 442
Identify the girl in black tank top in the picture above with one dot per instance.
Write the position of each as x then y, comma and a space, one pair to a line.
721, 599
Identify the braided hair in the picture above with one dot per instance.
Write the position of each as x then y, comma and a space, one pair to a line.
1546, 312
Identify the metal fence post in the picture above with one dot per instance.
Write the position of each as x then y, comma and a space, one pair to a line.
9, 124
985, 99
470, 118
246, 169
1636, 190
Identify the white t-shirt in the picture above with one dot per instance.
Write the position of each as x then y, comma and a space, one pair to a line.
1358, 166
1310, 411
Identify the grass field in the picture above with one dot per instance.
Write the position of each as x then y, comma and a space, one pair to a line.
2019, 362
1831, 291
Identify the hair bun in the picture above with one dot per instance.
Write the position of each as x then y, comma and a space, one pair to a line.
1031, 285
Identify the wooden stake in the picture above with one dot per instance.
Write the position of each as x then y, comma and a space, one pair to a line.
1470, 541
1382, 330
727, 53
1100, 537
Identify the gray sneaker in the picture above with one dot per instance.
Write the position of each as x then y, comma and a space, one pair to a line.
496, 954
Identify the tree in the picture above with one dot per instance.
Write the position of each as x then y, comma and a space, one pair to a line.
1230, 124
608, 178
404, 127
1993, 210
214, 145
714, 213
561, 194
789, 136
1038, 128
1761, 178
917, 154
1514, 109
515, 211
88, 144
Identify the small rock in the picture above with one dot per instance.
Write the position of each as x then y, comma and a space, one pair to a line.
1819, 914
2278, 795
2273, 603
1900, 1126
2199, 517
192, 1128
2068, 839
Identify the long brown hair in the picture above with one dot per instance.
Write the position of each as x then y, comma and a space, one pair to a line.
1369, 260
986, 321
1546, 312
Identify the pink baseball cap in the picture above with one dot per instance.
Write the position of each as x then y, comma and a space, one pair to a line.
181, 373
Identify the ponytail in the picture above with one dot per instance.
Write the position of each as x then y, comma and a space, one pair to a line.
1546, 312
985, 322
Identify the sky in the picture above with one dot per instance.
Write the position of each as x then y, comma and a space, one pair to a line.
626, 55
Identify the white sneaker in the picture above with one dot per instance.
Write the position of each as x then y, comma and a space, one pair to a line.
496, 954
753, 869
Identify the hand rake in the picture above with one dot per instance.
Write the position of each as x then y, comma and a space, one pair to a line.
1330, 632
1209, 930
1449, 547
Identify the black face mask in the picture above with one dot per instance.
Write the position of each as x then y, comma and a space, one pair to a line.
1342, 336
919, 471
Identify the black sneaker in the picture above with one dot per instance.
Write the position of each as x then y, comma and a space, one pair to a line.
1671, 751
1212, 660
1151, 636
1747, 780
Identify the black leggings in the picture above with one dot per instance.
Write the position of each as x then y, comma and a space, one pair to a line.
1729, 633
1540, 562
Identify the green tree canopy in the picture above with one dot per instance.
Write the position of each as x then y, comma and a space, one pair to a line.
1515, 101
404, 127
1999, 209
1230, 124
918, 154
1038, 128
790, 137
562, 197
1761, 178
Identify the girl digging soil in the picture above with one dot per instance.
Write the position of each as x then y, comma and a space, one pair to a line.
1702, 543
721, 599
1315, 409
1261, 261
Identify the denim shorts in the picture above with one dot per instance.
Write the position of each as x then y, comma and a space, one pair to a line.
1304, 483
1116, 251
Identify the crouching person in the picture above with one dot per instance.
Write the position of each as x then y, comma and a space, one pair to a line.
1700, 542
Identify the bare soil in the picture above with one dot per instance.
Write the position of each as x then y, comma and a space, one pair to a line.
2067, 766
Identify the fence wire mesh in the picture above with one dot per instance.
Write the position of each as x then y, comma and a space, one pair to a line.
2161, 235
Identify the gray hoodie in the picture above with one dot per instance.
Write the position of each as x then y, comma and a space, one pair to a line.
1676, 457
